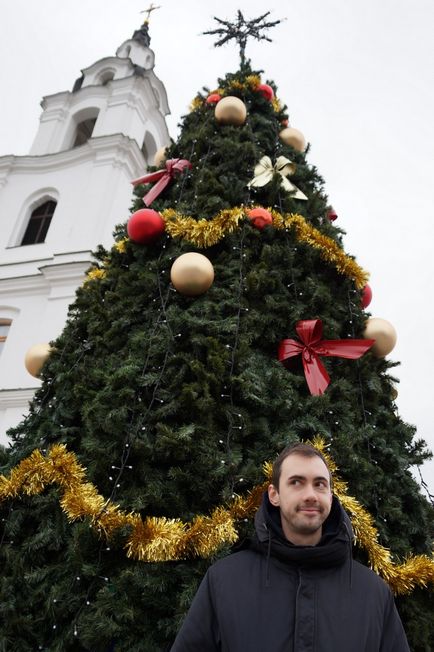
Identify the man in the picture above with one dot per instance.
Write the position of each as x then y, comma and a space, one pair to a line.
296, 589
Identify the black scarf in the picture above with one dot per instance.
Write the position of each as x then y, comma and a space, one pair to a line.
332, 550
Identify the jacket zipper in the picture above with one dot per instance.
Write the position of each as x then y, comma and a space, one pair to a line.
296, 612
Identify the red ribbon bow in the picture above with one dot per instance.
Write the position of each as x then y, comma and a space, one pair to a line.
312, 347
163, 177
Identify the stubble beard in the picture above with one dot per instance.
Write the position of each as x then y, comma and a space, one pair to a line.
305, 524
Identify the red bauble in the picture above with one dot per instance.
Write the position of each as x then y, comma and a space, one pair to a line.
331, 214
260, 217
266, 91
366, 296
145, 226
213, 98
284, 122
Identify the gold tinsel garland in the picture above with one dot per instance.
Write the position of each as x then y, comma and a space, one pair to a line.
95, 274
120, 245
206, 233
154, 539
250, 83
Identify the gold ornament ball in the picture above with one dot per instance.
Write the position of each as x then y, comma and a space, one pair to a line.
36, 357
393, 393
192, 274
160, 157
293, 137
231, 111
384, 335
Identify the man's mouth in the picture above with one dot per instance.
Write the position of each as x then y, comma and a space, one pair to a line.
309, 510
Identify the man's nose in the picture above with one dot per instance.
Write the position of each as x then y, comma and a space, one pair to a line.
309, 493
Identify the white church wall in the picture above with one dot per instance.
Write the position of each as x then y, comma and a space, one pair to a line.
91, 185
13, 409
38, 316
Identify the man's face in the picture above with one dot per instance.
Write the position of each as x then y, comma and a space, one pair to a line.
304, 498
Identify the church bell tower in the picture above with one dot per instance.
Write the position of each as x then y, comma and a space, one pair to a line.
64, 198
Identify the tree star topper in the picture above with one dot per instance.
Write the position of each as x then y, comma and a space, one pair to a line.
242, 30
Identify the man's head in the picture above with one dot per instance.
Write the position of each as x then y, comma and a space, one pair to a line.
301, 488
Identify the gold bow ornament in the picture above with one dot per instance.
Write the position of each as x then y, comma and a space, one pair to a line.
265, 171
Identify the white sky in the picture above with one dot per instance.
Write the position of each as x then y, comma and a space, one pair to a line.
357, 77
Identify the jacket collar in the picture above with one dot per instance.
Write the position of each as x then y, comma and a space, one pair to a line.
332, 550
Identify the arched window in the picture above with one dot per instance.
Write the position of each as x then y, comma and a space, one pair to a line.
5, 325
84, 131
106, 77
39, 223
81, 127
149, 148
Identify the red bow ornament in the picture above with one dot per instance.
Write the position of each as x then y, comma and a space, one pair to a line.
163, 178
312, 347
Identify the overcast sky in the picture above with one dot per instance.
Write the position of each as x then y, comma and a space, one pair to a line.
357, 77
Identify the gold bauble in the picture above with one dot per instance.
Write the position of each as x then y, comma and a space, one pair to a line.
160, 157
294, 138
393, 393
383, 333
231, 111
36, 357
192, 274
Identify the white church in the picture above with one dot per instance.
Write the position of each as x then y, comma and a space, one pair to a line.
65, 197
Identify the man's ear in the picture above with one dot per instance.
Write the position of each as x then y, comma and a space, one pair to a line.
273, 495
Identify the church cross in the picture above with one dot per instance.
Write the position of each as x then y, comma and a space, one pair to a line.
149, 10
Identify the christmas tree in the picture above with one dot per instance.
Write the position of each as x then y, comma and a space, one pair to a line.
225, 322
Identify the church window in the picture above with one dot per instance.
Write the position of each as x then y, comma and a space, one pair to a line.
39, 223
5, 325
149, 147
106, 77
144, 151
84, 131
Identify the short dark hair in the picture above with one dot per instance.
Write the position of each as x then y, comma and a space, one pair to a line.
299, 448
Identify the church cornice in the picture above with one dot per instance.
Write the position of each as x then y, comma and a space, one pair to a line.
64, 100
26, 285
124, 67
58, 273
10, 398
58, 269
116, 149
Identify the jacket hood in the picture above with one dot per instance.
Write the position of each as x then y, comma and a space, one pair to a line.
332, 550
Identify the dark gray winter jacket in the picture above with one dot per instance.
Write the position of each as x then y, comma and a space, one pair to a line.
277, 597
